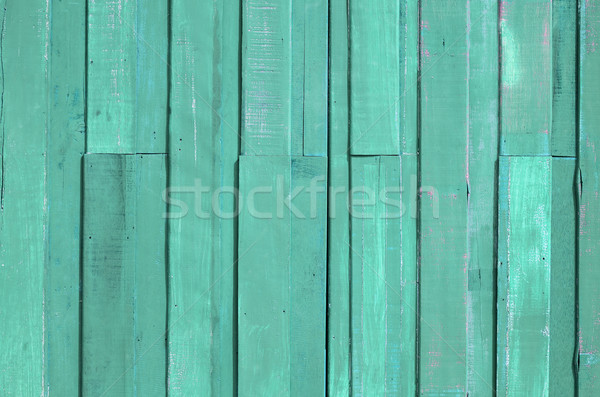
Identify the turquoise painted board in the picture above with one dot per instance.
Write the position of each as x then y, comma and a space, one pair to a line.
524, 272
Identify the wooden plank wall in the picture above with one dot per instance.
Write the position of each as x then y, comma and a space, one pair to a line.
304, 198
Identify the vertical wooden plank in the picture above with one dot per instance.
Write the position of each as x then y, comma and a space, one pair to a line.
338, 265
66, 144
375, 77
526, 76
443, 263
112, 60
307, 283
376, 284
482, 157
525, 197
23, 200
151, 76
315, 77
409, 65
589, 202
266, 68
281, 276
108, 275
564, 89
563, 324
124, 284
150, 287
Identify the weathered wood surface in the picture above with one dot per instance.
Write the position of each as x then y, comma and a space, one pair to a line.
167, 115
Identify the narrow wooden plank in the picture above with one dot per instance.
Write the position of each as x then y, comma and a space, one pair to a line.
108, 275
308, 275
589, 202
338, 280
563, 324
124, 283
151, 76
297, 62
281, 277
266, 68
443, 262
315, 77
376, 276
524, 238
112, 69
482, 152
409, 64
338, 261
150, 281
23, 200
375, 86
203, 148
564, 89
66, 144
526, 77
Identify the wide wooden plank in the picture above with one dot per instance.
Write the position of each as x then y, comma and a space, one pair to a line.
375, 71
66, 144
378, 280
127, 69
267, 79
564, 88
526, 77
281, 276
563, 323
589, 201
124, 284
203, 148
482, 157
23, 200
443, 221
524, 258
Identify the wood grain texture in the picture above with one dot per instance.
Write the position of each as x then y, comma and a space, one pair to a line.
383, 274
564, 78
526, 77
66, 144
375, 85
267, 79
589, 202
281, 276
127, 69
124, 284
443, 225
563, 323
23, 199
203, 147
481, 179
524, 258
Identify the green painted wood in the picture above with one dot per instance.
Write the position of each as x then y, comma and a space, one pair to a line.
589, 203
564, 90
281, 276
409, 64
66, 144
524, 249
563, 328
203, 148
338, 280
374, 74
267, 79
482, 157
316, 17
123, 269
23, 200
443, 220
378, 279
127, 69
526, 77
